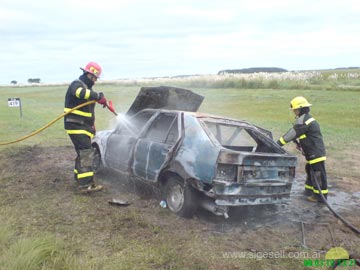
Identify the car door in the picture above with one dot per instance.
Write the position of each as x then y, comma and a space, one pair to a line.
121, 142
153, 149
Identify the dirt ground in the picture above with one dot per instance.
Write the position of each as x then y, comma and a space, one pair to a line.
45, 173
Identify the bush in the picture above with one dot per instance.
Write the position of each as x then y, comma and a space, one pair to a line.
33, 253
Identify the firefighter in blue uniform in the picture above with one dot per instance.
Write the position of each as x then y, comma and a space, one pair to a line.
79, 124
307, 134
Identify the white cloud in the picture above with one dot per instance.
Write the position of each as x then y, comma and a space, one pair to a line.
220, 14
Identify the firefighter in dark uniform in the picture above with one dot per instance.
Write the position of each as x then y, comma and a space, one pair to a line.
79, 124
307, 135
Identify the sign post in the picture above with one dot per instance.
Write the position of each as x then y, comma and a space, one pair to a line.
15, 102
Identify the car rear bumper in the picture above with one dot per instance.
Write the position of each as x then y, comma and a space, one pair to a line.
251, 194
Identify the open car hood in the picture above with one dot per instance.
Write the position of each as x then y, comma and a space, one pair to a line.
166, 97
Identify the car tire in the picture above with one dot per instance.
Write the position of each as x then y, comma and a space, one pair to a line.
97, 164
181, 198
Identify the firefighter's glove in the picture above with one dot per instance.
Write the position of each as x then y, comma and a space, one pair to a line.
102, 100
279, 143
298, 147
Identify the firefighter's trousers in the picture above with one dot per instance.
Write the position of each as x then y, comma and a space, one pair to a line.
318, 171
83, 172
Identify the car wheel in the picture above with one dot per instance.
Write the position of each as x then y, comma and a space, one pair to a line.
180, 198
97, 164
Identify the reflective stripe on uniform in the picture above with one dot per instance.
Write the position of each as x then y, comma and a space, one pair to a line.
78, 93
316, 160
323, 191
307, 122
282, 140
78, 112
79, 131
83, 175
302, 137
87, 94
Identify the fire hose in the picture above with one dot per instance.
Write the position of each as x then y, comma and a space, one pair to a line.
348, 224
352, 227
313, 176
108, 105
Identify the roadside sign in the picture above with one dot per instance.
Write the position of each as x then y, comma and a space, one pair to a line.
15, 102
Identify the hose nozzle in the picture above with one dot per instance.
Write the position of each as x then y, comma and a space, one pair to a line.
111, 108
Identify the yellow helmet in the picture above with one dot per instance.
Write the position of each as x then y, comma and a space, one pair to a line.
298, 103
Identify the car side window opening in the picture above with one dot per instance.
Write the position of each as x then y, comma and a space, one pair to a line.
133, 125
164, 129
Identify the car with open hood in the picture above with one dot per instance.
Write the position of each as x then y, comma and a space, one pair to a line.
195, 159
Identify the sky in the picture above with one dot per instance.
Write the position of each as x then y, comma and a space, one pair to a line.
51, 40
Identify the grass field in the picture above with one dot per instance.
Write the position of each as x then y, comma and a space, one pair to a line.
37, 236
336, 110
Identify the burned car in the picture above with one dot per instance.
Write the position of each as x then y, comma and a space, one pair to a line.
195, 159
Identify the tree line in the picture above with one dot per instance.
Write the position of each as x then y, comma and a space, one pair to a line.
30, 80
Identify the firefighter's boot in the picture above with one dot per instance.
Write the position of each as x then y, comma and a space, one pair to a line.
90, 188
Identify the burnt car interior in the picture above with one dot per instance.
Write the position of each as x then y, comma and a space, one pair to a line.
164, 129
241, 138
